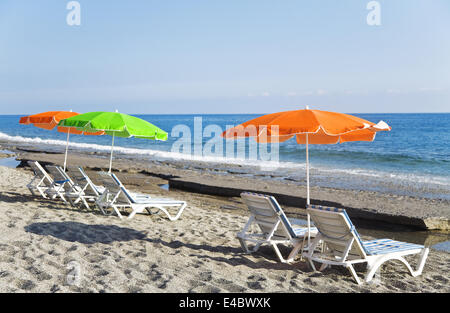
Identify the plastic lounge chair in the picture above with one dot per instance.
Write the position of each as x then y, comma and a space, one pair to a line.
60, 181
41, 180
47, 186
117, 197
82, 188
275, 228
344, 247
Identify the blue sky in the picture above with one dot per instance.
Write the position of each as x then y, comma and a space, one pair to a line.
224, 56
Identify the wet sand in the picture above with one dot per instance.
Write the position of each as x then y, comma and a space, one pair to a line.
44, 242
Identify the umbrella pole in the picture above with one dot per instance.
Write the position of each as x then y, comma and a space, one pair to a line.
67, 148
112, 149
307, 188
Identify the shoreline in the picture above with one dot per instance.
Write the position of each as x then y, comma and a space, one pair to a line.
372, 208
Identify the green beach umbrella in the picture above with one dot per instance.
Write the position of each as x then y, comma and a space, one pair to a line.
115, 124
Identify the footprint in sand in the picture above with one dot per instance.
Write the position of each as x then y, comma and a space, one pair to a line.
38, 274
197, 264
134, 289
26, 285
256, 282
229, 285
21, 244
205, 289
54, 288
101, 273
94, 258
158, 277
72, 248
205, 276
309, 281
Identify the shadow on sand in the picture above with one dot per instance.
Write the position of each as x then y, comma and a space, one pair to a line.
85, 233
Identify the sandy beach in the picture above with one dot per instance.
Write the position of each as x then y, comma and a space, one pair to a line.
44, 242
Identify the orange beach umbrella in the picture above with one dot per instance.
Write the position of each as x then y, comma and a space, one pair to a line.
49, 120
308, 127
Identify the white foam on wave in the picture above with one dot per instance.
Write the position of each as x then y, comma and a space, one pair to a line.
383, 175
154, 154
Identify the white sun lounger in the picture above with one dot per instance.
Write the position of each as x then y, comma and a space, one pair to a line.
344, 247
41, 180
61, 183
274, 227
81, 188
117, 197
44, 183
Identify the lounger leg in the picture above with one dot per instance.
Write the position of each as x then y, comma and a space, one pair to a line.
117, 211
41, 189
244, 245
103, 210
355, 276
86, 205
311, 249
42, 193
132, 214
176, 216
159, 207
72, 203
294, 252
323, 267
311, 263
422, 258
78, 200
58, 193
277, 251
373, 266
257, 246
31, 187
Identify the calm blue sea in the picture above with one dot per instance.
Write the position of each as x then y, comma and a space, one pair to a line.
412, 159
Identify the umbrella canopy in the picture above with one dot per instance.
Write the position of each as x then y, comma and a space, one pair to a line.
49, 120
309, 127
46, 120
318, 127
115, 124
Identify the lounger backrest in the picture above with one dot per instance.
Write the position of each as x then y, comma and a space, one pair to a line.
267, 212
113, 188
125, 191
35, 166
39, 171
82, 181
58, 177
65, 175
88, 179
337, 230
